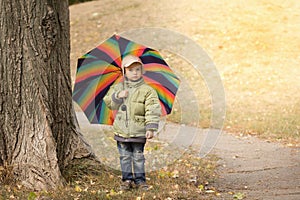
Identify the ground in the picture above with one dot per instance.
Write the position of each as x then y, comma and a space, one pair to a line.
255, 46
257, 169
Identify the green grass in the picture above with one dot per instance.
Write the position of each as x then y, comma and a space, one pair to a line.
260, 101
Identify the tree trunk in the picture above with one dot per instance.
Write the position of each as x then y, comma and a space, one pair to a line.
38, 128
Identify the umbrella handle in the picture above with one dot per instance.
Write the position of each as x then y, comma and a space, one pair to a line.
124, 107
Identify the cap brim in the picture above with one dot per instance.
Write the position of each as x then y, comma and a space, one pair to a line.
130, 63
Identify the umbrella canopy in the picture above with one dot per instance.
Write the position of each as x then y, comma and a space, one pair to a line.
100, 68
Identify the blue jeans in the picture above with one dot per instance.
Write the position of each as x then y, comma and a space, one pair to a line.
132, 161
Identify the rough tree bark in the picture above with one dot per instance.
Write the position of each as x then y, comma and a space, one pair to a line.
38, 128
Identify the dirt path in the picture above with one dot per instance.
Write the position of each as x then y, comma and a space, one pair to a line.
257, 169
249, 167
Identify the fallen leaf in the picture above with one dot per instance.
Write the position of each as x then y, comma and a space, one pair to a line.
201, 187
92, 182
78, 189
239, 196
175, 174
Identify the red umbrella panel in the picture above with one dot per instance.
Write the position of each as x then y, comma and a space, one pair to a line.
100, 68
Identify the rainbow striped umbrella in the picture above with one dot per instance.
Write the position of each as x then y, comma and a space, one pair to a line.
100, 68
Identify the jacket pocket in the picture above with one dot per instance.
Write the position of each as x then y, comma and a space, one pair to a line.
138, 128
139, 119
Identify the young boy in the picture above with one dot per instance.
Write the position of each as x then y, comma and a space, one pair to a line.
136, 120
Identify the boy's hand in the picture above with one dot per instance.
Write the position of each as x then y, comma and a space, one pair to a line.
123, 94
149, 134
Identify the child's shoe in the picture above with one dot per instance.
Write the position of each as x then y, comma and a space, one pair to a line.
126, 185
142, 186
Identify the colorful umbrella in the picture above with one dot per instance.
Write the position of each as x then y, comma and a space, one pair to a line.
100, 68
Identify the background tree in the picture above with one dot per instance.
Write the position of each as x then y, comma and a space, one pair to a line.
38, 130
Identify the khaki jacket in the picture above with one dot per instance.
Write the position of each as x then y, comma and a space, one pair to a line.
142, 109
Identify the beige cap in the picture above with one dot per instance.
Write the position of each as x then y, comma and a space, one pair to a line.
129, 60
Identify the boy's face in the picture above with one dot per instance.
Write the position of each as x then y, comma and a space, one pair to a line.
134, 71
